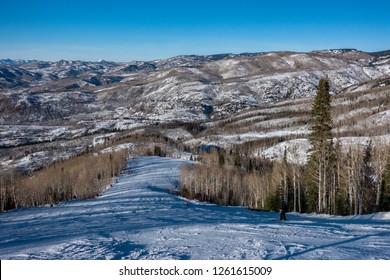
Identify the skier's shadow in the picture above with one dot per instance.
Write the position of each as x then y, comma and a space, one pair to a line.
289, 256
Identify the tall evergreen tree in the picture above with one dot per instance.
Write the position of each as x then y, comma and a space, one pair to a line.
322, 120
319, 168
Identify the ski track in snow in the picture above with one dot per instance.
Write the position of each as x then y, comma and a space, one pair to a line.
140, 219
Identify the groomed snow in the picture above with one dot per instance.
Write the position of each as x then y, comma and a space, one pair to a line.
138, 218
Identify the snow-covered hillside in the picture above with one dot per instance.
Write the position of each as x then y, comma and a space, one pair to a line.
179, 88
55, 109
140, 217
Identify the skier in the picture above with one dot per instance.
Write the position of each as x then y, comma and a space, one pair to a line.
283, 210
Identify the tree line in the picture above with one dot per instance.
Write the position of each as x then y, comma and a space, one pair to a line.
336, 179
80, 177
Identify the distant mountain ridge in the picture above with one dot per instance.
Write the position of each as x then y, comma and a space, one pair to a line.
183, 88
16, 61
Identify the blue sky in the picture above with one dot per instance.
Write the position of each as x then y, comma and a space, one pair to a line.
146, 30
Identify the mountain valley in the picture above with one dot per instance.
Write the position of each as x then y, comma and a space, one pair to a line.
53, 110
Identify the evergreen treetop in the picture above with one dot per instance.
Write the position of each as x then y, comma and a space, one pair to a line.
321, 116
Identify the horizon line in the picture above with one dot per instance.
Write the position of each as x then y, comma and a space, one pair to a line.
194, 55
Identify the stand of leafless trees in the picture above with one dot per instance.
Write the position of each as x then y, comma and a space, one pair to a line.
80, 177
359, 183
227, 178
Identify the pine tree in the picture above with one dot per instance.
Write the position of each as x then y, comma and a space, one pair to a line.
385, 193
322, 120
284, 175
221, 159
335, 178
237, 158
367, 193
319, 168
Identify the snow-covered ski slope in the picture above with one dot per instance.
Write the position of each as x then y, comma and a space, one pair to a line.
139, 219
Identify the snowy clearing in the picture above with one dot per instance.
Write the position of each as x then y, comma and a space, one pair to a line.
140, 218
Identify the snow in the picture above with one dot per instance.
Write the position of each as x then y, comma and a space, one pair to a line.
352, 113
105, 89
177, 134
119, 147
380, 118
228, 140
140, 218
297, 149
57, 132
127, 125
101, 139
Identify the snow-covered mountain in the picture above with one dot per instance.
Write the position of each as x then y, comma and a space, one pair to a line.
179, 88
